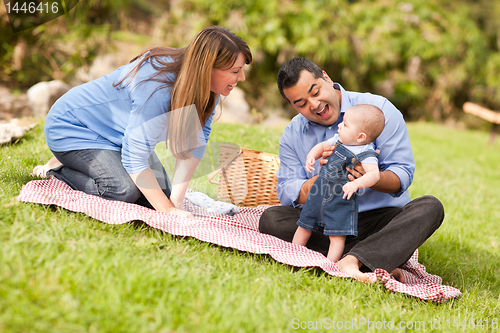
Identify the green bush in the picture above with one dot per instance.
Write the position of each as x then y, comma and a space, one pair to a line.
421, 56
54, 50
428, 58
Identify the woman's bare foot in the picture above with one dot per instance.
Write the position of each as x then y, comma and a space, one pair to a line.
398, 275
350, 265
41, 170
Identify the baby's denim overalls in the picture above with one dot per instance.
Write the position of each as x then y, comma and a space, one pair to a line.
325, 207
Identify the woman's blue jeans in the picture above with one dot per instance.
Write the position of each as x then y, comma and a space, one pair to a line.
100, 172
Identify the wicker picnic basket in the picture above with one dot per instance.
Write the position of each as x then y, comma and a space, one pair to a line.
246, 177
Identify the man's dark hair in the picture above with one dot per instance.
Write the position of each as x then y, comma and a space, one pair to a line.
289, 73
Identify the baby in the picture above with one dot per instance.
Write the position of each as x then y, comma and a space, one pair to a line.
332, 202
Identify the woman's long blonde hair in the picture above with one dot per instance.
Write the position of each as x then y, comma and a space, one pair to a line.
191, 66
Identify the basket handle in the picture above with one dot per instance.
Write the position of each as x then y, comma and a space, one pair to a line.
228, 160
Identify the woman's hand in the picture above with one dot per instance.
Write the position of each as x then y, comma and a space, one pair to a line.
180, 212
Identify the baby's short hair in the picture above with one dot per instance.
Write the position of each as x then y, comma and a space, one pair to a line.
370, 120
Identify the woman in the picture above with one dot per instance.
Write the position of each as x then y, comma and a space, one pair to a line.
103, 133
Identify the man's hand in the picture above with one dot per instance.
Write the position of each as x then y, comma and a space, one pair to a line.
358, 170
356, 173
327, 153
306, 187
389, 182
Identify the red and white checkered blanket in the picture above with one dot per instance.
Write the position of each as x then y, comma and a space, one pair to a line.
239, 231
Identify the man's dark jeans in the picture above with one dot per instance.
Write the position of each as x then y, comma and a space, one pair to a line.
387, 237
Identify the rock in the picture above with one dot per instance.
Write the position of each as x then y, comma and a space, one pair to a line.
101, 66
235, 109
43, 95
275, 118
275, 121
385, 88
15, 129
413, 68
13, 106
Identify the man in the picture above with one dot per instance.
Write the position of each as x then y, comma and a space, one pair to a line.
391, 226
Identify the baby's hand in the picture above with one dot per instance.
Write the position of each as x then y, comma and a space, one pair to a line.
310, 164
349, 189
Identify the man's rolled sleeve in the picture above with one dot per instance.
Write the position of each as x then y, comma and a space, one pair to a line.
395, 148
404, 178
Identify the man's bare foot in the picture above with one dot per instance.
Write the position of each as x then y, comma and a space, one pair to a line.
350, 265
398, 275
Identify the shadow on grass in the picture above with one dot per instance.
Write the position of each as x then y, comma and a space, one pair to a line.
462, 267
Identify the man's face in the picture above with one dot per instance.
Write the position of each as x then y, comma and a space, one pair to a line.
315, 99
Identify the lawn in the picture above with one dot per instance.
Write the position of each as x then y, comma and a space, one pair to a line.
65, 272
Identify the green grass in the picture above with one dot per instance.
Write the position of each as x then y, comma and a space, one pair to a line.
65, 272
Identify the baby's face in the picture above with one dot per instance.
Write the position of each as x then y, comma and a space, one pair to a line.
349, 130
